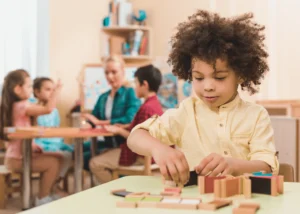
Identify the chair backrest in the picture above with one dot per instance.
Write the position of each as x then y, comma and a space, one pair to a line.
286, 131
287, 171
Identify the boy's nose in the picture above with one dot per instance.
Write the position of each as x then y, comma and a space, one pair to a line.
209, 86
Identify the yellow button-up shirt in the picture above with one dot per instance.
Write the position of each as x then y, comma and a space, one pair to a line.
240, 130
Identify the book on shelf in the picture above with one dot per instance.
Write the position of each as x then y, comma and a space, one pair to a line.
134, 44
120, 13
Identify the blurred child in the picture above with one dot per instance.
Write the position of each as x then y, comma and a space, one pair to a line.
216, 132
43, 88
147, 81
15, 110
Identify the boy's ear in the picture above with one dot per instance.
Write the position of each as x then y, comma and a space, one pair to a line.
145, 83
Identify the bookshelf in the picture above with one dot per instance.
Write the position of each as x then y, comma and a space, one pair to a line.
117, 37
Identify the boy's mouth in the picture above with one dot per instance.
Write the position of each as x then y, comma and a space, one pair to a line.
210, 98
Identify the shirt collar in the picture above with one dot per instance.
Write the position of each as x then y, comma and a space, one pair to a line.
232, 103
152, 98
119, 91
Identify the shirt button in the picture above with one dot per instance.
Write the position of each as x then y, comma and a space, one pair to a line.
221, 125
225, 152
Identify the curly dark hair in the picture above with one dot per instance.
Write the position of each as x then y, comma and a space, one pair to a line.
209, 37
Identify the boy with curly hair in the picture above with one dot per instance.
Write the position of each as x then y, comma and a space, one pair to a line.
215, 132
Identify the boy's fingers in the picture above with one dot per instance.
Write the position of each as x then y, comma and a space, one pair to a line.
226, 172
182, 172
203, 163
209, 167
219, 169
186, 167
173, 172
164, 171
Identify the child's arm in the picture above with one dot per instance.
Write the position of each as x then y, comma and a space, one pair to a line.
154, 137
172, 163
214, 165
36, 110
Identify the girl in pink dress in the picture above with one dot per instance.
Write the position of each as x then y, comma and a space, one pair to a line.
15, 110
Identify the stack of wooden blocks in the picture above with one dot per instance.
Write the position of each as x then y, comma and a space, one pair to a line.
224, 188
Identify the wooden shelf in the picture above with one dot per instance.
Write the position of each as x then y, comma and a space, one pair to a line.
125, 28
133, 58
139, 57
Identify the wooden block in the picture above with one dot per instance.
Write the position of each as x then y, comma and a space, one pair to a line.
173, 189
201, 184
168, 202
243, 210
262, 185
133, 198
250, 205
247, 188
149, 201
246, 208
231, 186
126, 204
274, 186
217, 188
240, 185
188, 204
280, 181
170, 194
206, 183
215, 204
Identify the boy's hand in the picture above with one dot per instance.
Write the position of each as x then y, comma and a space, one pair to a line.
113, 129
215, 165
172, 164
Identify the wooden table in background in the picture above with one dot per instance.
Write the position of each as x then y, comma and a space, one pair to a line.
27, 135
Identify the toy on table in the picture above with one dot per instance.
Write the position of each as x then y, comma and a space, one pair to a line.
171, 191
215, 204
270, 185
246, 208
222, 187
231, 186
154, 201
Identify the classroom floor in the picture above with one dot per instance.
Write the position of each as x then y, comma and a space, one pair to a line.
15, 204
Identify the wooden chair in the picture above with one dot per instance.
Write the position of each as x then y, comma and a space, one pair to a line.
287, 171
6, 187
146, 169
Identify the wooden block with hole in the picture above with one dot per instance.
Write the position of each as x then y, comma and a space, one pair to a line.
270, 185
227, 187
206, 183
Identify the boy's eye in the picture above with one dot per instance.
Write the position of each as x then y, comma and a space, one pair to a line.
198, 78
220, 78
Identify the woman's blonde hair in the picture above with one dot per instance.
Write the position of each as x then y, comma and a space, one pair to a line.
117, 59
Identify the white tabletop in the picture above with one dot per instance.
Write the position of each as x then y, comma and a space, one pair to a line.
99, 200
